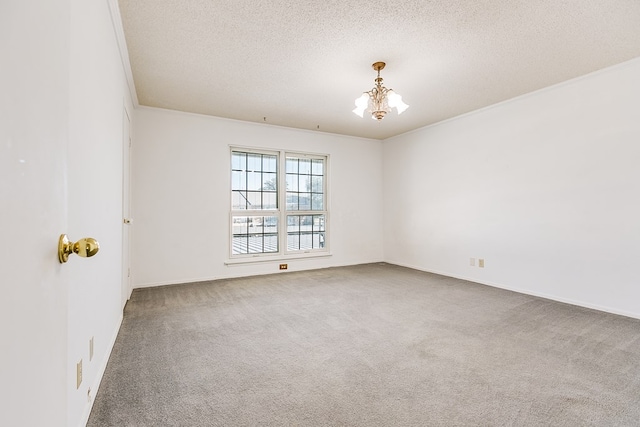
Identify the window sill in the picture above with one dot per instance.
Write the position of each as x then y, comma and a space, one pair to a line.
278, 258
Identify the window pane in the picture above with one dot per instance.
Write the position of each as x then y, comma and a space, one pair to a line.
238, 161
317, 167
255, 244
238, 200
269, 181
270, 243
254, 200
305, 188
255, 225
293, 223
238, 180
292, 201
254, 234
316, 184
305, 232
256, 174
293, 242
270, 224
239, 245
254, 162
306, 241
306, 222
254, 180
304, 201
304, 182
305, 166
239, 225
269, 200
292, 182
269, 163
317, 202
292, 165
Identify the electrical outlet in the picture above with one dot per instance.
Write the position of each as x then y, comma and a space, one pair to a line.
481, 263
472, 262
78, 374
284, 266
91, 349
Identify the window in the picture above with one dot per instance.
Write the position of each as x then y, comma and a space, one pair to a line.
277, 210
305, 198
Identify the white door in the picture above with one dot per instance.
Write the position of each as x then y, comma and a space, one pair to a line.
34, 121
126, 208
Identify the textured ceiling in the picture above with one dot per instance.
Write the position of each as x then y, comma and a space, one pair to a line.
302, 63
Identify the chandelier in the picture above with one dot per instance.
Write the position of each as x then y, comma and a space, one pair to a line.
379, 100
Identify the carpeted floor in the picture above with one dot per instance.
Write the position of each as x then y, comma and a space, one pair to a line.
369, 345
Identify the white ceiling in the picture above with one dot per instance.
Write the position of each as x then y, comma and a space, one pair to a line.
302, 63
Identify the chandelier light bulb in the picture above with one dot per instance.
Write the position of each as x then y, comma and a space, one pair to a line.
379, 100
361, 104
395, 101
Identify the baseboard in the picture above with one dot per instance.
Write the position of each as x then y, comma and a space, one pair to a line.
96, 383
174, 282
570, 301
234, 276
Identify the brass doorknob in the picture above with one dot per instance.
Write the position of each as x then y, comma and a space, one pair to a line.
85, 248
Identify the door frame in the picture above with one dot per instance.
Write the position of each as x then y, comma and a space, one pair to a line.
126, 206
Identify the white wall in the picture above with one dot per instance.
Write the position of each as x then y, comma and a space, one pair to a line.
545, 188
181, 180
98, 95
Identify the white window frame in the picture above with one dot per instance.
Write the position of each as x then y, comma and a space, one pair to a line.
281, 212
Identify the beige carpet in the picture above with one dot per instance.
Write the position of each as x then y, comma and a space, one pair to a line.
370, 345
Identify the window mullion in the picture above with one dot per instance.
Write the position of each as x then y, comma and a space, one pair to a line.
282, 202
